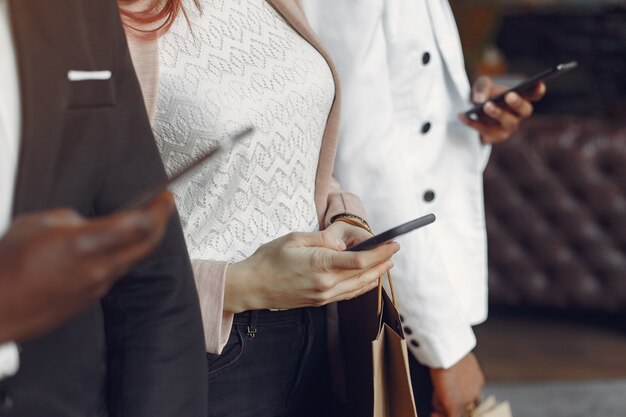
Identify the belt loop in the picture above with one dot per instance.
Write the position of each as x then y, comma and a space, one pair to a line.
251, 329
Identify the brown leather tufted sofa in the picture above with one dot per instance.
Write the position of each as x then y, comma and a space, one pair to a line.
556, 216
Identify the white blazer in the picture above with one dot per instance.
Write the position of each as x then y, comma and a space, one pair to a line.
404, 152
10, 119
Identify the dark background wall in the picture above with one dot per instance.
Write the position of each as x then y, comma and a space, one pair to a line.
532, 36
556, 191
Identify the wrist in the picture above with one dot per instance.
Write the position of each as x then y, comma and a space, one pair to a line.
237, 292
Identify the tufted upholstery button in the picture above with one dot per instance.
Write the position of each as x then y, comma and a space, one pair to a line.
426, 128
407, 330
6, 402
426, 58
415, 343
429, 196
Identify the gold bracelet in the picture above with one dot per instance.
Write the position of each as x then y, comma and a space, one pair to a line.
350, 216
353, 220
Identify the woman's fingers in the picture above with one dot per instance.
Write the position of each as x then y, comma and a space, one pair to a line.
357, 261
354, 294
338, 236
358, 285
323, 239
344, 232
350, 234
298, 270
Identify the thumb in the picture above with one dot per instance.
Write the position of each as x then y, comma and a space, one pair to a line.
334, 238
481, 90
328, 238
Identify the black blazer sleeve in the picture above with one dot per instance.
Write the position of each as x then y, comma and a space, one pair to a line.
154, 332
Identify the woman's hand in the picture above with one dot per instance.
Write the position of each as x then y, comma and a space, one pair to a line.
305, 270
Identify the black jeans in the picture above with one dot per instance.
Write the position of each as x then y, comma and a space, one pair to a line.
274, 365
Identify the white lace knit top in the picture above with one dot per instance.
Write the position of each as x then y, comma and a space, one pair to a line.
238, 63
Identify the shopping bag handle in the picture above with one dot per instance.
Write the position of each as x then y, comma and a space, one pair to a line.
380, 292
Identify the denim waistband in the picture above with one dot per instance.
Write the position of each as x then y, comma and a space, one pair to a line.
261, 317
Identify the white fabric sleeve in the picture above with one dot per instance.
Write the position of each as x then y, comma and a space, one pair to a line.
9, 360
437, 326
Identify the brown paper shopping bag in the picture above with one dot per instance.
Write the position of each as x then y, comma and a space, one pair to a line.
375, 357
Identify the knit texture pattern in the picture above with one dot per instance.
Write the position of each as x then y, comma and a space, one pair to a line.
237, 63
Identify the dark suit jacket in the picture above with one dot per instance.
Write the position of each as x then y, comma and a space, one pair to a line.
88, 145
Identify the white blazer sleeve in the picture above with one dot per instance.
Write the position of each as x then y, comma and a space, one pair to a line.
9, 360
438, 329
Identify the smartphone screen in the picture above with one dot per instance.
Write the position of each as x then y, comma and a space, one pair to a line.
152, 192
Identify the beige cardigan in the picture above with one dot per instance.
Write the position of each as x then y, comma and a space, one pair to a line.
330, 200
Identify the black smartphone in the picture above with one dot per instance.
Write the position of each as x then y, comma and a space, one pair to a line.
391, 234
525, 86
147, 196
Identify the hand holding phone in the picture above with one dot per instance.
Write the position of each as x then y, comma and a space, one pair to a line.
55, 264
524, 87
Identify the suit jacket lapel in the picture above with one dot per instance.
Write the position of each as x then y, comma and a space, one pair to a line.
46, 35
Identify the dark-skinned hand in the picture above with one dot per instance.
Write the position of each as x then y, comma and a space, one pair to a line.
458, 388
498, 122
55, 264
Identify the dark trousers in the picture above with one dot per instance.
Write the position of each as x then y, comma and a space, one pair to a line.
422, 387
274, 365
